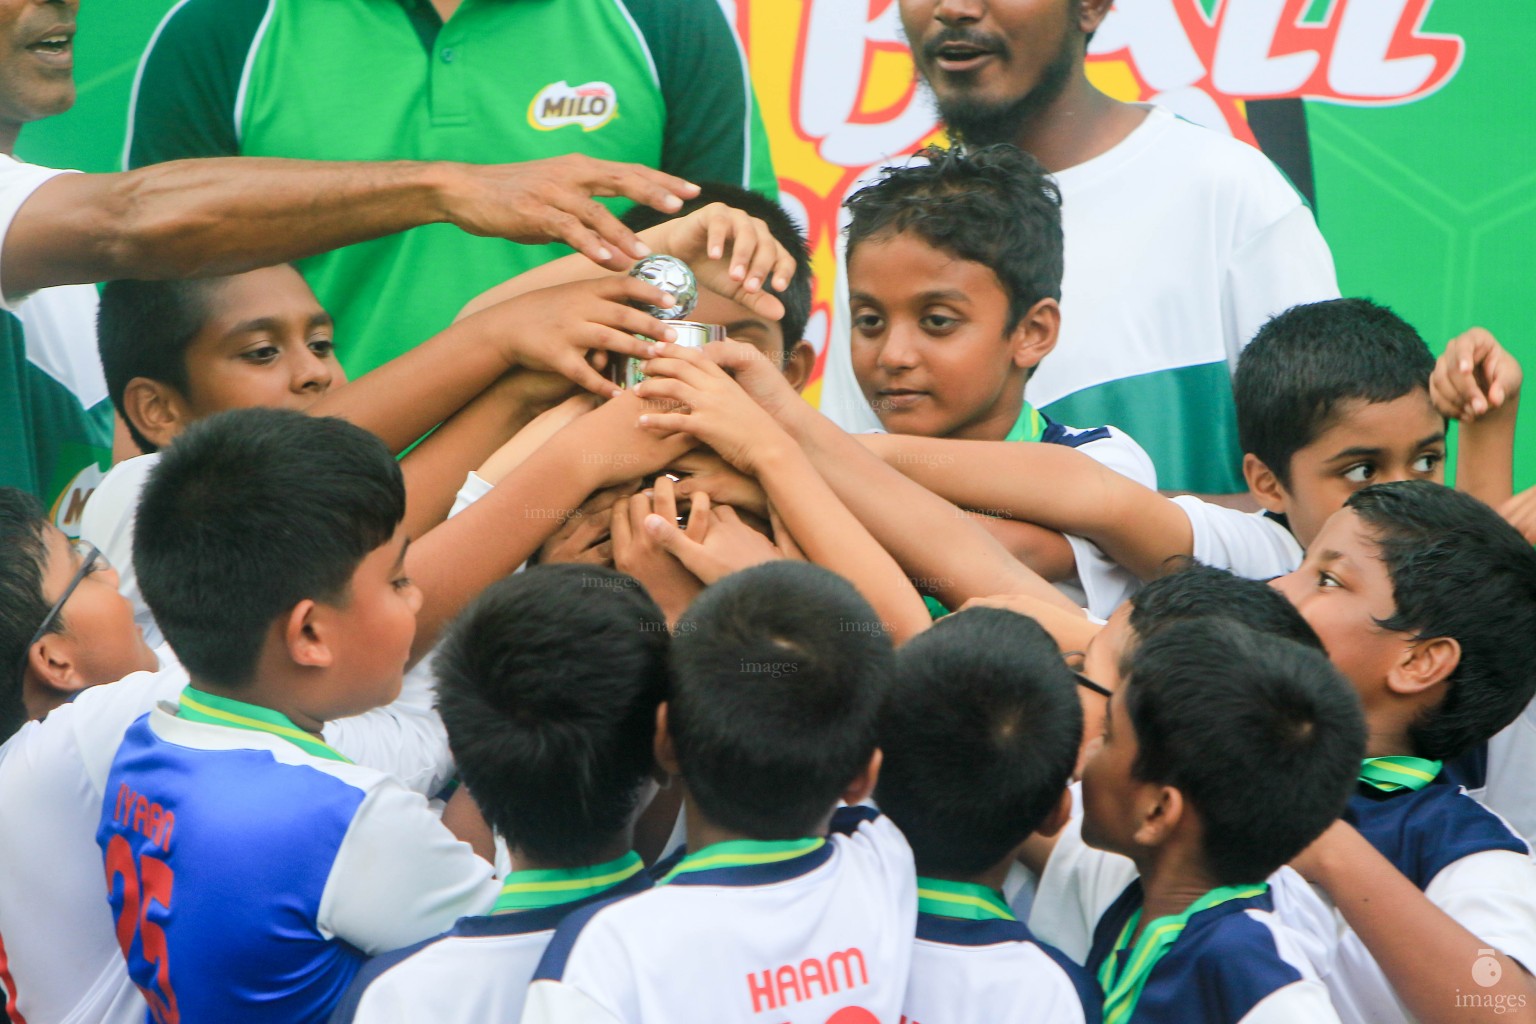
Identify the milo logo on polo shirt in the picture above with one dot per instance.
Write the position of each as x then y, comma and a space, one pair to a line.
591, 105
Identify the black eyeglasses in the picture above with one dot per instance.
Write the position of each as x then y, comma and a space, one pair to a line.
90, 556
1074, 660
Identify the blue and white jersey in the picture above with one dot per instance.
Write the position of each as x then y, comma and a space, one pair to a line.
250, 868
974, 961
1233, 962
1468, 862
803, 931
481, 968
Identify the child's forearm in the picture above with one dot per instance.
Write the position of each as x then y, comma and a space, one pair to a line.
1045, 551
1485, 456
1052, 486
409, 395
489, 540
435, 469
833, 537
1424, 953
930, 538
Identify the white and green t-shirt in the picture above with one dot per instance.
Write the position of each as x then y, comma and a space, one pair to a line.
55, 418
656, 82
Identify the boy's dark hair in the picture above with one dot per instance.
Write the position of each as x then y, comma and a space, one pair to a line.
995, 206
979, 734
1212, 703
250, 512
143, 329
797, 297
1458, 570
548, 685
777, 677
1194, 590
1306, 362
23, 562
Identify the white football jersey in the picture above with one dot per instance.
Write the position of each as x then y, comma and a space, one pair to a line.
1254, 545
479, 970
806, 931
974, 961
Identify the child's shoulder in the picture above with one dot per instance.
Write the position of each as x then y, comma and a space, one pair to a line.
998, 957
1422, 833
1255, 545
1108, 446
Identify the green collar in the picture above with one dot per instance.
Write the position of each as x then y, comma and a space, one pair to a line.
1125, 971
738, 853
534, 890
197, 706
964, 900
1030, 426
1391, 774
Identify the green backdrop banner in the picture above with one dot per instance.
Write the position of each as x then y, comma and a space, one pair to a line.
1414, 118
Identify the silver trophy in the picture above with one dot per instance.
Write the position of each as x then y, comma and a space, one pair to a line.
674, 277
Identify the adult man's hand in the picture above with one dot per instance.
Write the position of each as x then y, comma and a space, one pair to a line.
551, 200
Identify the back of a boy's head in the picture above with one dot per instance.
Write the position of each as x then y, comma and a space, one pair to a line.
548, 686
777, 675
1306, 362
1193, 590
23, 562
995, 206
797, 297
250, 512
143, 329
1458, 570
1261, 736
979, 734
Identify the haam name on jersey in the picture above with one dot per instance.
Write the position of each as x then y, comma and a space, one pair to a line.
812, 978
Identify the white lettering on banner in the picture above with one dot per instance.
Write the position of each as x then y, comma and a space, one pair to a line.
838, 42
1359, 52
1244, 63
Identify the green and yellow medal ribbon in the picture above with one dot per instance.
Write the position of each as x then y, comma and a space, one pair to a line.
535, 889
964, 900
1125, 971
740, 853
1393, 774
1030, 426
197, 706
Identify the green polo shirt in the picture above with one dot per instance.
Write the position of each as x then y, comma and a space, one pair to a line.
656, 82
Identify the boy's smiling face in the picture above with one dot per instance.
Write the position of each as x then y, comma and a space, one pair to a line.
931, 346
1367, 443
1113, 798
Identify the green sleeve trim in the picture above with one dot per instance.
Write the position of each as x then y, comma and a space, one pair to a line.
188, 89
714, 128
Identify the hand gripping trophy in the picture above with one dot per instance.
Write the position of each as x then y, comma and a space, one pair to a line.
672, 276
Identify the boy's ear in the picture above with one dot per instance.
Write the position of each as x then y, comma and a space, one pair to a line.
1035, 334
666, 753
306, 635
798, 367
1264, 485
1426, 664
1059, 816
863, 784
1161, 818
52, 674
155, 409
